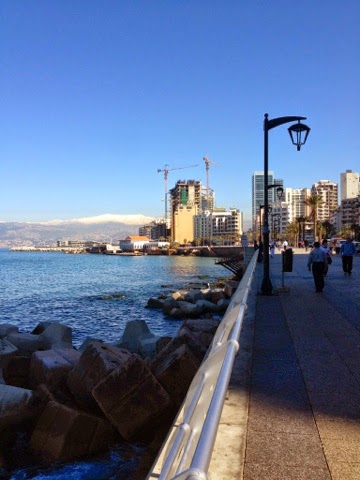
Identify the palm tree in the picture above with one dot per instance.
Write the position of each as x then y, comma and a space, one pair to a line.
329, 227
292, 231
301, 221
314, 201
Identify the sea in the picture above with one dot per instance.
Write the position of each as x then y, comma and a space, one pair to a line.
95, 295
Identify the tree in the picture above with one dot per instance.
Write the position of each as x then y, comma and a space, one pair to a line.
314, 201
301, 221
328, 227
292, 231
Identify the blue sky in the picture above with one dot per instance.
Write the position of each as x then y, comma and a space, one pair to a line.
96, 96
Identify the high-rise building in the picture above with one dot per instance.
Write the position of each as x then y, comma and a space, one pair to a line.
185, 202
258, 193
349, 184
328, 191
296, 197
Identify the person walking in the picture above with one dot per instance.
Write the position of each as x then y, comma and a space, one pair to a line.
285, 244
347, 251
317, 262
325, 248
272, 249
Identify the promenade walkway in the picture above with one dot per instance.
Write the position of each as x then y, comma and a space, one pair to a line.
293, 406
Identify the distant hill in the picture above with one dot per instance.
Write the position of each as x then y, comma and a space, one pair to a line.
104, 228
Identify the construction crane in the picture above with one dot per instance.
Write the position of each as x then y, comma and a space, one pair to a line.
207, 165
166, 171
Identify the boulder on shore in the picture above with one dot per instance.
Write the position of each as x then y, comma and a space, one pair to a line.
63, 433
175, 369
51, 367
132, 399
96, 362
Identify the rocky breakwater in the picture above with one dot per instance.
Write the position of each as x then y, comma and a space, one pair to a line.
66, 403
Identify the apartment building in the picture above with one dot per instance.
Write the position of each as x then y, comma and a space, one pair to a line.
156, 229
349, 184
218, 224
328, 191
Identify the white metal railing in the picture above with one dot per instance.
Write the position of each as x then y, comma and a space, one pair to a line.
187, 450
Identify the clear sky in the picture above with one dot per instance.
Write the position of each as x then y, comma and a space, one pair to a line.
97, 95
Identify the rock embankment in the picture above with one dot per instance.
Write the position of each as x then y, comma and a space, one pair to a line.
69, 402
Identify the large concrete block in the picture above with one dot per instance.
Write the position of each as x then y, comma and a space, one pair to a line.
175, 370
132, 398
96, 362
197, 341
63, 433
7, 328
17, 405
205, 325
16, 372
56, 335
7, 350
52, 367
230, 288
25, 342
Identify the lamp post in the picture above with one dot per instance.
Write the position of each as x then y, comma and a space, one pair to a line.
260, 208
296, 133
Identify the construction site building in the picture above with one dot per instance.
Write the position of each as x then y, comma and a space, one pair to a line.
185, 202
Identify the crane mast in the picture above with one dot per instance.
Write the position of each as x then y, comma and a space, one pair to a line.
207, 166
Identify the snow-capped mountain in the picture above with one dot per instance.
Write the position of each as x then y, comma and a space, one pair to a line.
137, 219
102, 228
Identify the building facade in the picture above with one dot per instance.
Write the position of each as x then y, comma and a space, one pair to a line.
328, 192
156, 230
219, 225
257, 192
185, 202
349, 185
133, 243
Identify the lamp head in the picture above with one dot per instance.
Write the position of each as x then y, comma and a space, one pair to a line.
279, 192
298, 134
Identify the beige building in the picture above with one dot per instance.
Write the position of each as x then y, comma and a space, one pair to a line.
185, 202
182, 230
328, 191
349, 184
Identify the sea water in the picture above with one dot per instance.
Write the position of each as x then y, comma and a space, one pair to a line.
95, 295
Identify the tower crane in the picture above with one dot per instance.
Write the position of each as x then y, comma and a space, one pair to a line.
207, 165
166, 171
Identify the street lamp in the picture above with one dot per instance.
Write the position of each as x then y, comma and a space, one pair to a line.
260, 208
298, 134
279, 189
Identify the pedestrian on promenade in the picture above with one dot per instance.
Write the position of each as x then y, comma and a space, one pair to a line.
285, 244
272, 249
317, 262
347, 251
325, 248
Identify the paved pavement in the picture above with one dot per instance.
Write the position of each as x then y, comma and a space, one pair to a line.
293, 405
